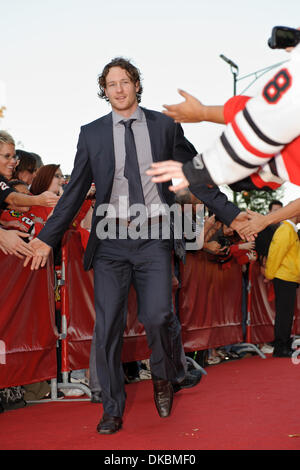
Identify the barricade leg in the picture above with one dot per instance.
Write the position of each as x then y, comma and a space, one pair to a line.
65, 384
62, 350
248, 346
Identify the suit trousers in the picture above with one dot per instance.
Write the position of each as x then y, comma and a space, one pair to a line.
285, 298
147, 264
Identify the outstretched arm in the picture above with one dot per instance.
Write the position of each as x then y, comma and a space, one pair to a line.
192, 110
257, 133
258, 222
47, 199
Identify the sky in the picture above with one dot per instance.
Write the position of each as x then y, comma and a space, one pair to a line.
52, 52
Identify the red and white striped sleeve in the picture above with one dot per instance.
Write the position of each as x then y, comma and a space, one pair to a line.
256, 134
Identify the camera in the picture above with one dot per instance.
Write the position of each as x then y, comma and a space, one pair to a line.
224, 241
283, 37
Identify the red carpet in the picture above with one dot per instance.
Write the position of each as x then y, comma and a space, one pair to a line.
250, 404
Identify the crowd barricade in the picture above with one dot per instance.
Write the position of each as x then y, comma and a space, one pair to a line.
210, 307
77, 309
28, 334
261, 308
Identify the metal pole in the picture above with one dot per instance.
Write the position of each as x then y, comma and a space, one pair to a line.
257, 74
234, 82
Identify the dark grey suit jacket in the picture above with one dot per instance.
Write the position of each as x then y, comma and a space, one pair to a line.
95, 162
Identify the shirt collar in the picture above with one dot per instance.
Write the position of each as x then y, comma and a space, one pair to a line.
138, 115
293, 225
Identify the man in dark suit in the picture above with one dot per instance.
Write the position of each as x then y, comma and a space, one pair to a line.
115, 151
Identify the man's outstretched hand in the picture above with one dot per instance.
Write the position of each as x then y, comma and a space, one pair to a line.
256, 223
190, 110
240, 224
41, 252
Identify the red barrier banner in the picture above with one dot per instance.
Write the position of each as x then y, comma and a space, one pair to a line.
261, 308
210, 303
28, 334
77, 304
210, 307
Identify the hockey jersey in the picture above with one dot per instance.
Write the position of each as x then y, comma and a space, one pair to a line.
261, 139
28, 220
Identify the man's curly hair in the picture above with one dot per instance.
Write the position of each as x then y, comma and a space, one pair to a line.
132, 71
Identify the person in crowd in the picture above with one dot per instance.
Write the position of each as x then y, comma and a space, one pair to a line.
83, 220
26, 168
264, 237
19, 185
22, 218
230, 246
275, 205
283, 268
12, 242
39, 161
262, 244
48, 178
9, 218
202, 229
191, 211
260, 144
113, 135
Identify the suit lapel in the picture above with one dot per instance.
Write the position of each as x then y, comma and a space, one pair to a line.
108, 140
107, 162
154, 133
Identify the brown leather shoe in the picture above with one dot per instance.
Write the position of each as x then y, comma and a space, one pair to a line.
109, 424
163, 397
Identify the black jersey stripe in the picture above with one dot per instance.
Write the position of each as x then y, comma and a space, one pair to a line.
273, 167
258, 132
232, 153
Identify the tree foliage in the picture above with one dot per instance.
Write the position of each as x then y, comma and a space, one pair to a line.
255, 200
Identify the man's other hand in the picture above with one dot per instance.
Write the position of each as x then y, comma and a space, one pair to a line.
166, 171
41, 252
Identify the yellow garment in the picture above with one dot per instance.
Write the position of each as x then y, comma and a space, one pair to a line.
283, 261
